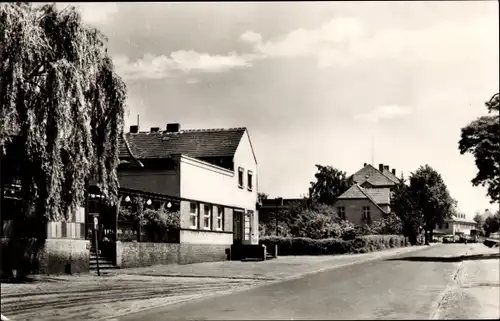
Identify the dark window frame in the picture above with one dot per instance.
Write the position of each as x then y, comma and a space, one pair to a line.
250, 180
241, 178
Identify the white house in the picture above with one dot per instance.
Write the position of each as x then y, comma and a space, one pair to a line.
457, 225
213, 172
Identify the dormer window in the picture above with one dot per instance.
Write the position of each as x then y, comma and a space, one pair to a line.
240, 177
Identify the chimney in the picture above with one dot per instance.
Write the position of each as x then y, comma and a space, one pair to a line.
173, 128
134, 129
364, 165
394, 171
155, 129
381, 167
386, 167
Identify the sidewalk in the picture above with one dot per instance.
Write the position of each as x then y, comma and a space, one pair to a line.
476, 294
282, 268
126, 291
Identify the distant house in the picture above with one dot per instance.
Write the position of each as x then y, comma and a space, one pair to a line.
458, 224
271, 206
369, 199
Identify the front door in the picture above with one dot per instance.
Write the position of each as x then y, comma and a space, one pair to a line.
237, 227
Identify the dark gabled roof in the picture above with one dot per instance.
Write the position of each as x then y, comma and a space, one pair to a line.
358, 192
373, 176
354, 192
193, 142
381, 196
391, 176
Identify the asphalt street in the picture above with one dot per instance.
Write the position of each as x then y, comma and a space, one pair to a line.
408, 286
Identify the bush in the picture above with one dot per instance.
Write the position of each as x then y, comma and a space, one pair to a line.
330, 246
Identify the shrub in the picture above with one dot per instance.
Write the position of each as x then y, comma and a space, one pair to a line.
330, 246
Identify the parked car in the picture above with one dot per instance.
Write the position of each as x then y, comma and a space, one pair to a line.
448, 239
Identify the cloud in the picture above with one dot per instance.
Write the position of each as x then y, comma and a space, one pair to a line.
384, 112
344, 41
182, 61
251, 37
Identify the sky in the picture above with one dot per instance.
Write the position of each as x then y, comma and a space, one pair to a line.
330, 83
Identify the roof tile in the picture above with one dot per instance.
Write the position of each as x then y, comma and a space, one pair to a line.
194, 143
381, 196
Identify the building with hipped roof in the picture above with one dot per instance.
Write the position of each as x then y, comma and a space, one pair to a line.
369, 199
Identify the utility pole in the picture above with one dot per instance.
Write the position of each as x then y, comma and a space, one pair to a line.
373, 150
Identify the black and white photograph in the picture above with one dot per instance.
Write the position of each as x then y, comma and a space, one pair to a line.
234, 160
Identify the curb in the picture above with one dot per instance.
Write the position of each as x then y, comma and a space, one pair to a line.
274, 281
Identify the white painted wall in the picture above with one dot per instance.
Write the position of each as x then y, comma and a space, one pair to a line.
198, 237
208, 183
205, 182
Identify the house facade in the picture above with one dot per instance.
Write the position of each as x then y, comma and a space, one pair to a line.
206, 177
211, 173
369, 198
458, 224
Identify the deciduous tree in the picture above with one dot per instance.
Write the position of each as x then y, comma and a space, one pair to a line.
492, 224
402, 206
430, 198
61, 100
330, 183
481, 138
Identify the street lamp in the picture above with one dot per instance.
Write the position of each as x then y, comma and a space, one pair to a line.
149, 202
169, 205
127, 199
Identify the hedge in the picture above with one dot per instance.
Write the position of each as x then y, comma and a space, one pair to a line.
307, 246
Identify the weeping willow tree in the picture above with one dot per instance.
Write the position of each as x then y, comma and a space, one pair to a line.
62, 101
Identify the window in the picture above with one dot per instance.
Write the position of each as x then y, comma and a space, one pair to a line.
249, 179
220, 218
206, 216
193, 215
240, 177
341, 212
366, 212
446, 225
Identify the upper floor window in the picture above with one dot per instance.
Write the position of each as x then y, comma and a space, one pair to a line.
193, 215
250, 180
207, 213
341, 212
220, 218
366, 213
240, 177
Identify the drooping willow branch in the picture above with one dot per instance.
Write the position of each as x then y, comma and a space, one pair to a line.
62, 100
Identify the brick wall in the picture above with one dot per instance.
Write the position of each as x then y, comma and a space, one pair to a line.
134, 254
354, 210
60, 252
137, 254
50, 256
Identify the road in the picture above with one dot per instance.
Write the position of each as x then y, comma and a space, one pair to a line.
416, 285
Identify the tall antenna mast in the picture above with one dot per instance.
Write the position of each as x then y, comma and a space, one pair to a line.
137, 119
373, 149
